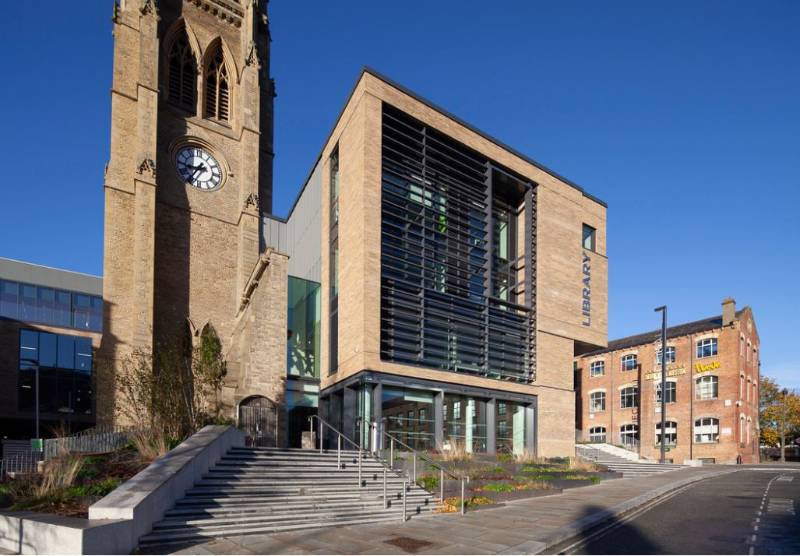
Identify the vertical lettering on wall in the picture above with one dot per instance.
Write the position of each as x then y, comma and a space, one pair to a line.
586, 304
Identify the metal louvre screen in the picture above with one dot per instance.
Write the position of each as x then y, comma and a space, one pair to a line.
436, 259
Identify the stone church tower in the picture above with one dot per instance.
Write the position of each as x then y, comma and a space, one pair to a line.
189, 176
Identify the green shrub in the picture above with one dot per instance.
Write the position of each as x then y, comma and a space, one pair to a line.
505, 458
535, 469
497, 487
541, 477
595, 479
429, 482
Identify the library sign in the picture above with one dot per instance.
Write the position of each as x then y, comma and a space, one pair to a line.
586, 301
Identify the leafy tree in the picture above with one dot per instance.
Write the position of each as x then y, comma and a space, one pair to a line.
778, 407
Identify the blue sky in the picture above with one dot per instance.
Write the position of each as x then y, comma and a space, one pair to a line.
683, 116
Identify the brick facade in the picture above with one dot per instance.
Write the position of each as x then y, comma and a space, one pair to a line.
735, 406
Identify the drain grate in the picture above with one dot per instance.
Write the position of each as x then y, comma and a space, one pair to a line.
408, 544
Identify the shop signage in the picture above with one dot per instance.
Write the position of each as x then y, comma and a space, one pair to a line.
703, 367
586, 305
671, 371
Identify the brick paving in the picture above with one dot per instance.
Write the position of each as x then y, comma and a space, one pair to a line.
522, 526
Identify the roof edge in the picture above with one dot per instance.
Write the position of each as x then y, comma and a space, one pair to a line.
419, 98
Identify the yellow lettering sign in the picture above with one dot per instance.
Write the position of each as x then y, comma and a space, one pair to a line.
703, 367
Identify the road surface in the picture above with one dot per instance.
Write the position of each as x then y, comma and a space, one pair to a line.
753, 511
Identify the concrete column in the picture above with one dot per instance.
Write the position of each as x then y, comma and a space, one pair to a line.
530, 429
377, 412
491, 441
438, 425
470, 419
349, 412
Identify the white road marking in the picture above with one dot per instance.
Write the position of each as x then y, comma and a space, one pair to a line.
753, 539
752, 549
786, 478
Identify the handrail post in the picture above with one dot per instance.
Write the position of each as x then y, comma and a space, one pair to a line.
359, 466
385, 502
391, 452
339, 452
415, 467
462, 495
405, 482
441, 485
321, 435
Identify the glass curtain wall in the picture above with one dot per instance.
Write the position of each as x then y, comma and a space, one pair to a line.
302, 356
65, 373
409, 416
509, 427
304, 329
464, 423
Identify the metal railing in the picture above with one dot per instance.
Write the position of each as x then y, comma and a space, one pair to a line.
378, 434
376, 441
24, 462
96, 440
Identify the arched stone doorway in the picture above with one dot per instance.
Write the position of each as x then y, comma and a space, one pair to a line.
258, 419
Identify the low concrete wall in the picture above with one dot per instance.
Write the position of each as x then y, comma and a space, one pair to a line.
146, 497
117, 521
36, 533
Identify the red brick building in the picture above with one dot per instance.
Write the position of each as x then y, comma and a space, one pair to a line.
711, 394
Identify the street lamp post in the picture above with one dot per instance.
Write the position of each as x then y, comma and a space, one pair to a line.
663, 310
35, 364
784, 393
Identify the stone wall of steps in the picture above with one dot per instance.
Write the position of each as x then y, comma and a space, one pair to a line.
268, 490
625, 465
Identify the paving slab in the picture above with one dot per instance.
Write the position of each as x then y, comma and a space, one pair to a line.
525, 526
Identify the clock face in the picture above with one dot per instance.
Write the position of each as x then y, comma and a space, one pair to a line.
198, 168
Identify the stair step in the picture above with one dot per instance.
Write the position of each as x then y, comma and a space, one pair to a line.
267, 490
298, 516
313, 505
190, 534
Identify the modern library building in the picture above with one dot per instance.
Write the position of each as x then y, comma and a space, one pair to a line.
458, 280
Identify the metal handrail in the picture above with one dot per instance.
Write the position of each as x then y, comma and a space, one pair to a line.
442, 470
390, 467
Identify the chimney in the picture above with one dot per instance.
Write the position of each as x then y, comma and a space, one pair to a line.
728, 311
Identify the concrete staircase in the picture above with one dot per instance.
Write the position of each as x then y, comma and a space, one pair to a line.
267, 490
622, 461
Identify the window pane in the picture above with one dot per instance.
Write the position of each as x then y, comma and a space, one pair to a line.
46, 305
28, 349
66, 352
83, 395
83, 355
63, 309
81, 305
9, 299
96, 314
48, 348
28, 306
589, 234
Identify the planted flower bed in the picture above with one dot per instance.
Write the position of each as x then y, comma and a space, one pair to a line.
496, 479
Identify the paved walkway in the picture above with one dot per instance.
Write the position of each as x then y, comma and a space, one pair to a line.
520, 527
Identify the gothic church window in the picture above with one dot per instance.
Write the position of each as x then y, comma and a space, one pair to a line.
217, 86
182, 82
